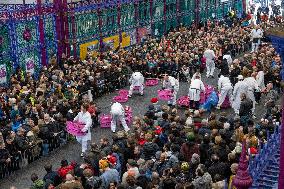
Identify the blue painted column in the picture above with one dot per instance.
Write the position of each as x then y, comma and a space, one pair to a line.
278, 44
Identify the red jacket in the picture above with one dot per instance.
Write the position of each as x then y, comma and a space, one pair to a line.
63, 171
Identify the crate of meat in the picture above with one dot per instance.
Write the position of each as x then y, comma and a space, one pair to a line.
75, 128
165, 94
183, 101
120, 99
105, 120
152, 82
123, 92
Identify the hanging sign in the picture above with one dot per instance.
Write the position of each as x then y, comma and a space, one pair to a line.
3, 74
30, 66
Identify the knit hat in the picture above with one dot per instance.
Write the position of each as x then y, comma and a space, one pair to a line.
190, 137
112, 159
103, 163
154, 100
195, 159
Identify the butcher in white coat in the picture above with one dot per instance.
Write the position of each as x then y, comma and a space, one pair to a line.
84, 117
118, 114
256, 35
240, 88
210, 64
252, 87
136, 80
196, 86
225, 88
172, 84
260, 79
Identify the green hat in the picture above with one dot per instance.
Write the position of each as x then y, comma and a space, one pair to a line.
190, 137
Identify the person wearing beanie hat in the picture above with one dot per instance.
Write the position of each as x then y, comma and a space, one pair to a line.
137, 81
240, 88
189, 147
108, 174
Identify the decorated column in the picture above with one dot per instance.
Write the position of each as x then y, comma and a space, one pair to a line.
277, 39
74, 40
165, 16
243, 180
136, 3
118, 21
57, 5
41, 34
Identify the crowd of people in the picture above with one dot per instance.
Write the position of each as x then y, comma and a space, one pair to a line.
163, 149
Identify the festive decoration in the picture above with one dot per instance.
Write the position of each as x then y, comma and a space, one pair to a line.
27, 34
39, 30
243, 180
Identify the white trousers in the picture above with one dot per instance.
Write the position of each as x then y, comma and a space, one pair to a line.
173, 100
210, 67
254, 46
84, 144
115, 119
132, 87
224, 92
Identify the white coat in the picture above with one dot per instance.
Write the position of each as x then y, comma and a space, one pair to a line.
239, 88
172, 83
210, 65
224, 83
118, 114
260, 80
225, 88
229, 59
195, 88
87, 120
252, 87
137, 79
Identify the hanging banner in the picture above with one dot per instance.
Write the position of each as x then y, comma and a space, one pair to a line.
30, 66
3, 74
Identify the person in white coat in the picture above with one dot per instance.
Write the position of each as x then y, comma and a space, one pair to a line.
136, 80
256, 35
260, 78
84, 117
172, 84
118, 114
210, 64
240, 88
252, 87
225, 88
196, 87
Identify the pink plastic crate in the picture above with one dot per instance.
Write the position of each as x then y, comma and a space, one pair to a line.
164, 94
152, 82
123, 92
105, 120
121, 99
183, 101
74, 128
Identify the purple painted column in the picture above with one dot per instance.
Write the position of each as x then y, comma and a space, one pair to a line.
74, 40
165, 16
41, 35
136, 20
197, 13
151, 15
243, 180
281, 166
207, 7
178, 10
118, 21
66, 28
57, 5
100, 29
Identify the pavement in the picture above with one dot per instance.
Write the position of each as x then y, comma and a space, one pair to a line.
71, 151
